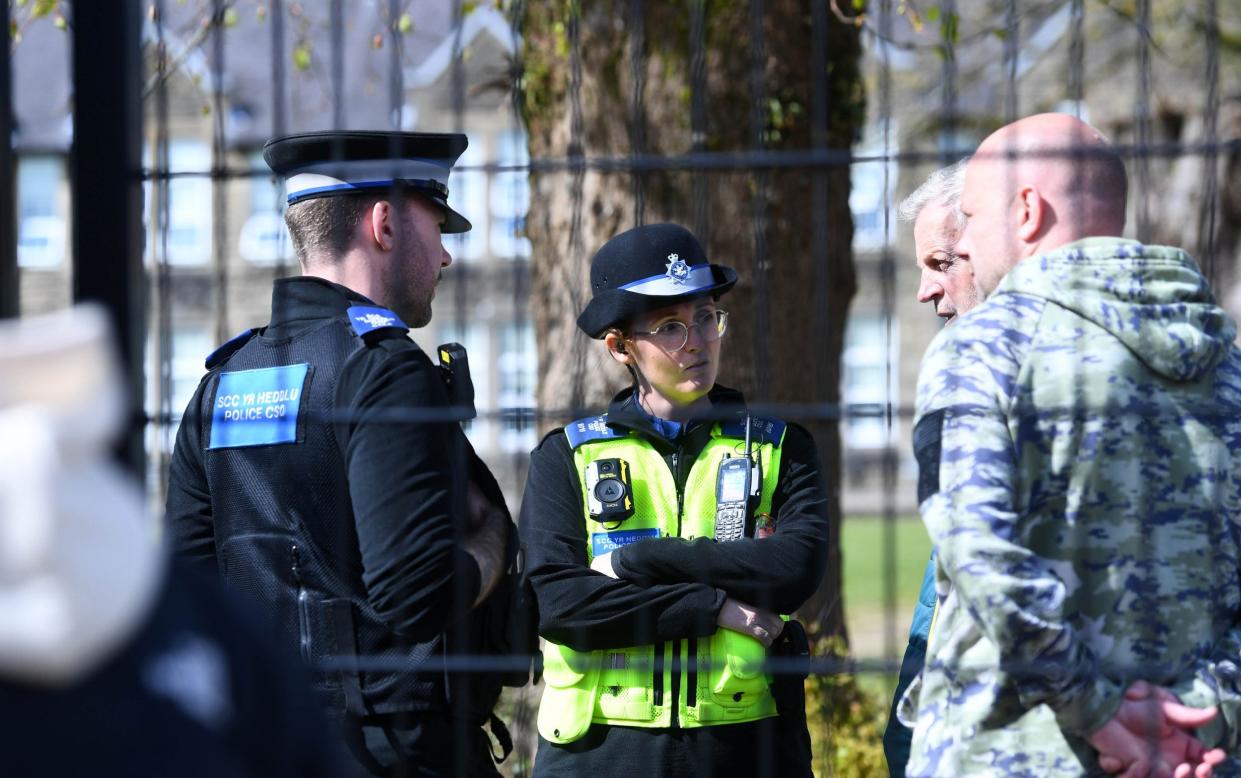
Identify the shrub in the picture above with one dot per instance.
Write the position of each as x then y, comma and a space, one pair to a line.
846, 722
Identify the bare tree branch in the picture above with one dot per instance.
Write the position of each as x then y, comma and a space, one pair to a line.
168, 67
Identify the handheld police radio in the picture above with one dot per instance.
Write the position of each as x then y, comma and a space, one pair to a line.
737, 482
609, 493
455, 370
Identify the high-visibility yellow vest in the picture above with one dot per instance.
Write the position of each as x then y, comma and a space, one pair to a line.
692, 682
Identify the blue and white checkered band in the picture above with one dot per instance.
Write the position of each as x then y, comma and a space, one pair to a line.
674, 282
329, 177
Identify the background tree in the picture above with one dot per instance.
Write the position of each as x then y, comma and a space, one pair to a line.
645, 112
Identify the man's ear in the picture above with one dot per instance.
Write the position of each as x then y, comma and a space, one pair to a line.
381, 226
617, 348
1031, 212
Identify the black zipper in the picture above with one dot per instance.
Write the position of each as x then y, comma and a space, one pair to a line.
676, 644
676, 484
657, 675
303, 608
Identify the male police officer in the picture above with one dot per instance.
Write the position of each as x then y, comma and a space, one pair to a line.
319, 467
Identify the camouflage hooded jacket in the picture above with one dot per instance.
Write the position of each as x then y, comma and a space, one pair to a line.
1079, 444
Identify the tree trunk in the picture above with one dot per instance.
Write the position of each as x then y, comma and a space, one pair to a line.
637, 81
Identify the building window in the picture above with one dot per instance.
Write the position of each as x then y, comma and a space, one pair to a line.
871, 362
510, 199
264, 238
188, 348
41, 220
189, 203
518, 376
467, 194
870, 198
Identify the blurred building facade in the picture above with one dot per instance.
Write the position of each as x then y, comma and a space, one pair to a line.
216, 239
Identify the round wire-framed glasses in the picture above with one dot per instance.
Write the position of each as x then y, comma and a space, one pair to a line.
673, 335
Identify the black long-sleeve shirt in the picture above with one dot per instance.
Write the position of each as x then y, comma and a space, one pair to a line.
669, 587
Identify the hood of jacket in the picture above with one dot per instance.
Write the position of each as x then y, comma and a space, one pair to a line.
1152, 298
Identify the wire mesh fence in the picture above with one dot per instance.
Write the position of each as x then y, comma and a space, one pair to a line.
784, 135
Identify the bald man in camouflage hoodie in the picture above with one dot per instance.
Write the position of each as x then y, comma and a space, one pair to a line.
1075, 435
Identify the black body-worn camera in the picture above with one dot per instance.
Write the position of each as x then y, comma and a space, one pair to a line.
455, 370
609, 493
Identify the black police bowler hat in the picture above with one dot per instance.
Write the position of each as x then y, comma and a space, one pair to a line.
323, 164
646, 268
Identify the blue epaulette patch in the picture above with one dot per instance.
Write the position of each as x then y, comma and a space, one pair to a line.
762, 430
369, 318
228, 349
588, 429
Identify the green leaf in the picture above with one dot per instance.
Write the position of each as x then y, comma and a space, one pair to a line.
950, 30
230, 17
14, 33
59, 21
932, 14
405, 24
43, 8
301, 56
1000, 33
468, 8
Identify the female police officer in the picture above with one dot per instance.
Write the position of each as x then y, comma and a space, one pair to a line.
660, 553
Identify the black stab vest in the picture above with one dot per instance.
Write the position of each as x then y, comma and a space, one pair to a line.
285, 535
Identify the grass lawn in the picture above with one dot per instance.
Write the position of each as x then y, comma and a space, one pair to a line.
864, 546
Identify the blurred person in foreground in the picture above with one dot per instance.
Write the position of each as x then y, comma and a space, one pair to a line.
946, 281
660, 607
114, 660
320, 466
1076, 435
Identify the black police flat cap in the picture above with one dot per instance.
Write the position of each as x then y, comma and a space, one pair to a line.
646, 268
324, 164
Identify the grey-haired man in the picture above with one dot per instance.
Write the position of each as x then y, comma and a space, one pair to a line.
947, 282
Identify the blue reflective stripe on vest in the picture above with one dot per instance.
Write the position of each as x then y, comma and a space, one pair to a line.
588, 429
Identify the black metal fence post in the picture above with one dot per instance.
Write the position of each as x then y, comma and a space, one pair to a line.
10, 299
105, 171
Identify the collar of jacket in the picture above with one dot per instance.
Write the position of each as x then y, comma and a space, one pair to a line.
308, 298
624, 413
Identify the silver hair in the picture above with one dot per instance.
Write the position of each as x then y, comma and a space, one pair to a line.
943, 187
